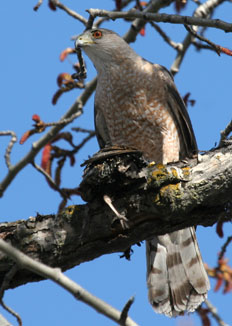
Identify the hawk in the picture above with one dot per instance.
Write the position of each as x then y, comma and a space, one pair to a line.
137, 105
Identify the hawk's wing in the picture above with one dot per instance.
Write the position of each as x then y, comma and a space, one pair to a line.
101, 129
179, 112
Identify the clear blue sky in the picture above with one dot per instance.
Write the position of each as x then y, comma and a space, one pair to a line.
29, 64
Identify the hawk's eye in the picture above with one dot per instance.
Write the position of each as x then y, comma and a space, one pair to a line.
97, 34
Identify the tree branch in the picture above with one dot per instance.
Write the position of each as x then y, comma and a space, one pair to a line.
10, 145
55, 275
5, 285
164, 18
139, 23
37, 146
225, 133
155, 199
214, 313
166, 38
202, 11
69, 11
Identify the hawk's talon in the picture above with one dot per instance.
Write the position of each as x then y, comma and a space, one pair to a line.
122, 219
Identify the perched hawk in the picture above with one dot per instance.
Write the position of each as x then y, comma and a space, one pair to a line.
137, 105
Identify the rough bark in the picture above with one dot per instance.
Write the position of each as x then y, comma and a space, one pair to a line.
155, 199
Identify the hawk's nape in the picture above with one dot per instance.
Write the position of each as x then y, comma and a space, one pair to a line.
137, 105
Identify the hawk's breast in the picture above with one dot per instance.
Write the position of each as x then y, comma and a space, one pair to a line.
135, 113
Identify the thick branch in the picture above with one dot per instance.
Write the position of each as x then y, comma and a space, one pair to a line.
55, 275
155, 199
164, 18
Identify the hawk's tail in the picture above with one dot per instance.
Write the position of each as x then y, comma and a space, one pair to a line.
176, 277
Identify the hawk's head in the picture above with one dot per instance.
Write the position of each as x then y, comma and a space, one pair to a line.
104, 46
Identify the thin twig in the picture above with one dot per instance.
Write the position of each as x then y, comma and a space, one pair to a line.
85, 140
10, 145
5, 285
64, 122
67, 87
225, 133
7, 278
224, 247
214, 46
214, 313
102, 19
70, 12
50, 180
165, 18
126, 309
39, 3
202, 11
174, 45
58, 277
200, 46
79, 129
89, 24
12, 312
139, 23
64, 192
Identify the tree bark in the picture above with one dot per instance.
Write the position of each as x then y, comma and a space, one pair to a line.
155, 199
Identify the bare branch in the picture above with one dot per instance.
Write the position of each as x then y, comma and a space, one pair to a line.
225, 133
139, 23
202, 11
224, 247
165, 18
50, 180
214, 46
7, 279
37, 146
59, 278
85, 140
10, 145
79, 129
70, 12
89, 24
12, 312
125, 310
199, 46
183, 197
67, 87
39, 3
174, 45
102, 19
4, 286
214, 313
65, 121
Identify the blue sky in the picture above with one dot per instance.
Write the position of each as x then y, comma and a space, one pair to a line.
29, 64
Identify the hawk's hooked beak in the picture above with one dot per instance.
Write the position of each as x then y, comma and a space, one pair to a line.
82, 40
